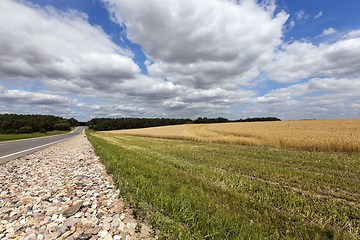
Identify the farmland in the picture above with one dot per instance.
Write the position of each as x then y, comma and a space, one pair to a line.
320, 135
239, 183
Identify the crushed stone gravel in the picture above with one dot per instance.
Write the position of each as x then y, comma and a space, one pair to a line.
63, 192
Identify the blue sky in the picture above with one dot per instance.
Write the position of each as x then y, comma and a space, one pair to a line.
180, 58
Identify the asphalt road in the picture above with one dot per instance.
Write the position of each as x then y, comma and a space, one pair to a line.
14, 149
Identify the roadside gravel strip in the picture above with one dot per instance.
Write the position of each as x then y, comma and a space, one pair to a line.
63, 192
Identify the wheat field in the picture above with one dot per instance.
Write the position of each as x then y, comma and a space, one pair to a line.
316, 135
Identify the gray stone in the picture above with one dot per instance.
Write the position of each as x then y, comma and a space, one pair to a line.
108, 237
73, 209
62, 229
96, 230
78, 234
70, 222
115, 225
105, 226
52, 236
103, 234
84, 236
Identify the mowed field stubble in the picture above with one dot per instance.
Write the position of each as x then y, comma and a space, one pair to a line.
261, 180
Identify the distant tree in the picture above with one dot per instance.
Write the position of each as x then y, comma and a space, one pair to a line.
6, 125
26, 129
73, 122
103, 124
262, 119
211, 120
13, 123
62, 127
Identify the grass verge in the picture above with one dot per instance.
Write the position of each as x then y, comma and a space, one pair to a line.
197, 190
11, 137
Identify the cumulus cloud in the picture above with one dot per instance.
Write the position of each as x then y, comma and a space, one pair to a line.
317, 98
166, 97
150, 92
45, 43
117, 110
328, 31
203, 57
26, 102
300, 60
348, 85
202, 43
353, 34
34, 98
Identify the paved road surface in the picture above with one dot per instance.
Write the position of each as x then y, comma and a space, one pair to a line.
15, 149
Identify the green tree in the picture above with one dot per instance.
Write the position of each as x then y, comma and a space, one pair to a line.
26, 129
6, 125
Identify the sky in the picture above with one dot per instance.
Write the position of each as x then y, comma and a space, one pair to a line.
181, 58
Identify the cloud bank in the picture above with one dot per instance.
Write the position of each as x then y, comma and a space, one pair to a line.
204, 58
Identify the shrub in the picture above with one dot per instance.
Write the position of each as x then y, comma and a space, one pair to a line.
9, 131
26, 129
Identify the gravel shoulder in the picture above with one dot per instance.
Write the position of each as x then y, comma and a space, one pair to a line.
64, 192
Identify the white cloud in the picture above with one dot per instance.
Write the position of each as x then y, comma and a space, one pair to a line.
44, 43
328, 31
204, 43
300, 14
205, 50
292, 23
318, 98
116, 110
72, 57
26, 102
34, 98
319, 15
353, 34
300, 60
348, 85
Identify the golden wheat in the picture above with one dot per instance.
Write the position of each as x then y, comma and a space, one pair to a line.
319, 135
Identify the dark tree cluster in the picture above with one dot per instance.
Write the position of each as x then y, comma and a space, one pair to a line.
14, 124
211, 120
106, 124
262, 119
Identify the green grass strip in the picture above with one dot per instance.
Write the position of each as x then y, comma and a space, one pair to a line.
191, 190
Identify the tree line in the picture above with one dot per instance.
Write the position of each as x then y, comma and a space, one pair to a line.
106, 124
14, 124
257, 119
